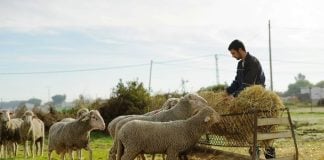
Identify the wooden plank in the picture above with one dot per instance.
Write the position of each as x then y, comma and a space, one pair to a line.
284, 158
273, 121
268, 136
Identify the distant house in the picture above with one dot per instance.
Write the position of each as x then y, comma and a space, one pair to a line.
316, 93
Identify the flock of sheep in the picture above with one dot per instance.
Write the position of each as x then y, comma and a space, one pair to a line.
171, 130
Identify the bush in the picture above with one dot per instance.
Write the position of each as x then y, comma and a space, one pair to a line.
126, 99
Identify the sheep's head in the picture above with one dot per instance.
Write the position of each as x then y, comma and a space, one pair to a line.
94, 119
5, 116
28, 116
210, 115
171, 102
82, 112
196, 102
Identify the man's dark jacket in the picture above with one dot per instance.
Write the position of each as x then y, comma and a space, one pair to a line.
249, 72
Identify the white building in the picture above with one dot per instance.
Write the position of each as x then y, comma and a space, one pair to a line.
316, 93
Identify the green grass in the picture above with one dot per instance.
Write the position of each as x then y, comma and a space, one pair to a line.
309, 134
100, 143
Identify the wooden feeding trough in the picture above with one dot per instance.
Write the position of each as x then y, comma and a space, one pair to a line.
253, 129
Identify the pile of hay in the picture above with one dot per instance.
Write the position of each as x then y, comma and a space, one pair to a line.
240, 127
219, 101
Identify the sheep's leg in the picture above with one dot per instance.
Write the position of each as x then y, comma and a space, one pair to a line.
79, 154
153, 156
25, 149
142, 156
71, 154
171, 155
63, 156
16, 149
112, 152
128, 156
5, 150
49, 154
90, 152
42, 146
0, 151
37, 152
163, 156
32, 145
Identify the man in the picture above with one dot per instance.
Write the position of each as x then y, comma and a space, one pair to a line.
249, 72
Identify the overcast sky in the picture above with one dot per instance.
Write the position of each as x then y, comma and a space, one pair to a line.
180, 36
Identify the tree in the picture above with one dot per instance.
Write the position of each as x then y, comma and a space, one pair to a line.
320, 84
58, 99
127, 98
301, 82
300, 77
35, 101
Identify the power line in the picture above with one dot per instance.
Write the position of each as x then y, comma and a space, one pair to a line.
75, 70
183, 59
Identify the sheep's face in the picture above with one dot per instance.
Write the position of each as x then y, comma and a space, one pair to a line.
95, 120
171, 102
211, 116
82, 112
28, 116
196, 102
5, 116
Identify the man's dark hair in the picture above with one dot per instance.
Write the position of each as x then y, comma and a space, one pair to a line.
236, 45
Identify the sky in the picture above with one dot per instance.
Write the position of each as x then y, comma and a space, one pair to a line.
85, 47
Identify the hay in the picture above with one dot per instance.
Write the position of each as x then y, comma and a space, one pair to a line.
240, 127
219, 101
256, 98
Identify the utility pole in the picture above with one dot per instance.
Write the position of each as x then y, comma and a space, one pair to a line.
49, 93
310, 97
270, 58
217, 71
150, 78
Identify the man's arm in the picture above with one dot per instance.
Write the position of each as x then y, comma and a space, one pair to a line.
233, 87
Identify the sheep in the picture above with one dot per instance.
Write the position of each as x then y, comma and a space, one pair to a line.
66, 136
166, 106
10, 132
80, 113
171, 102
1, 141
32, 129
171, 138
186, 106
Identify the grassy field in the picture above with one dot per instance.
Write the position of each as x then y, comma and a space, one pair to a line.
309, 132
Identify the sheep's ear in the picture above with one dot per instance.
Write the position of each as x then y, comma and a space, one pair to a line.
207, 119
195, 111
85, 118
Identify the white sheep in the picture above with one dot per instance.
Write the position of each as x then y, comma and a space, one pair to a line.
80, 113
184, 109
66, 136
172, 138
32, 129
171, 102
10, 132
